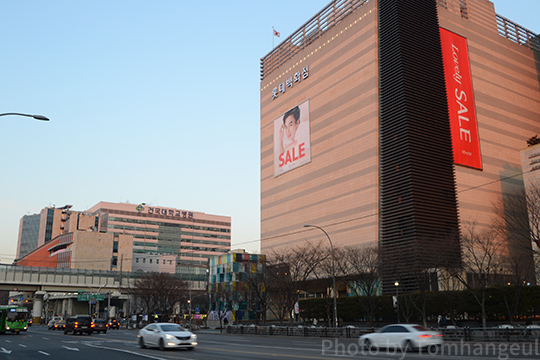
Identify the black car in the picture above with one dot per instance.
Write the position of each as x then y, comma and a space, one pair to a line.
100, 325
79, 324
114, 324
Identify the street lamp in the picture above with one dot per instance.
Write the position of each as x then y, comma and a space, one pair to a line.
333, 271
396, 284
189, 302
37, 117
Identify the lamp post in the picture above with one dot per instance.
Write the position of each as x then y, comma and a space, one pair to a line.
333, 272
189, 303
396, 284
37, 117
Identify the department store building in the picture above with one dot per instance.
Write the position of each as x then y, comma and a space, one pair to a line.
395, 124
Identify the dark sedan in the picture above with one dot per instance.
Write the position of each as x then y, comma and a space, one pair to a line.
100, 325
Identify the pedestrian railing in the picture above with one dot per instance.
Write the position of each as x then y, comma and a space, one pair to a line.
465, 334
308, 331
515, 334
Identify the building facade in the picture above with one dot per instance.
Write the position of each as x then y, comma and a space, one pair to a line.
236, 286
530, 162
38, 229
161, 233
81, 246
395, 123
28, 234
131, 237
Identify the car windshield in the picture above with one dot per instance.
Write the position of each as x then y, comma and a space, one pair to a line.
172, 327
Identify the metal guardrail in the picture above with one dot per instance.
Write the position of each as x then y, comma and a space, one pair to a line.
518, 334
307, 331
517, 33
323, 21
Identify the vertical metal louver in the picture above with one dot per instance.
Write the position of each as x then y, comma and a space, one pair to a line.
419, 216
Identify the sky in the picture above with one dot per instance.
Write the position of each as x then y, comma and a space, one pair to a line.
149, 101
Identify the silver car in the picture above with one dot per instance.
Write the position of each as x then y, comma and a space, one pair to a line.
166, 336
402, 336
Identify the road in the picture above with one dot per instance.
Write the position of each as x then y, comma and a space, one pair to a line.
40, 343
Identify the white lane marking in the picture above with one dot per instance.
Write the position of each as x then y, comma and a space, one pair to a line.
44, 338
22, 345
44, 353
265, 346
68, 348
135, 353
4, 351
8, 341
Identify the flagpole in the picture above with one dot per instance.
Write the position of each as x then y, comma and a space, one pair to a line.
273, 34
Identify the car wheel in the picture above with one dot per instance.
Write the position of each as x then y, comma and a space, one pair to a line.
65, 332
408, 346
74, 332
161, 345
367, 344
191, 348
89, 333
141, 343
104, 331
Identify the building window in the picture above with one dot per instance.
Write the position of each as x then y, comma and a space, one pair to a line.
115, 247
137, 260
144, 260
463, 9
150, 261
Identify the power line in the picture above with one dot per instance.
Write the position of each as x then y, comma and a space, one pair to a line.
376, 214
275, 237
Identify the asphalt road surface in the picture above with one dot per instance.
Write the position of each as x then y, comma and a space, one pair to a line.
43, 344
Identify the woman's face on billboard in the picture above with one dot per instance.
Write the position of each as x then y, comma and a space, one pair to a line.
290, 126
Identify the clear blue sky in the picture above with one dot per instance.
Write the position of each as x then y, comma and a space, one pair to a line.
150, 101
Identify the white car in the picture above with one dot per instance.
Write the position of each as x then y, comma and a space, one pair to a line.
56, 322
165, 336
402, 336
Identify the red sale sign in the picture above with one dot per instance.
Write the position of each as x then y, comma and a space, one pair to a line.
461, 106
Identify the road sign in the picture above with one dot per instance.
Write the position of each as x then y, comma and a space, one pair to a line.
90, 297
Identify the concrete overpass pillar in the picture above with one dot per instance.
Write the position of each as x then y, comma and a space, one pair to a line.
37, 311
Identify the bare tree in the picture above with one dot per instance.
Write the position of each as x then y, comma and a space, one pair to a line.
256, 283
286, 275
482, 263
358, 268
517, 217
159, 292
221, 300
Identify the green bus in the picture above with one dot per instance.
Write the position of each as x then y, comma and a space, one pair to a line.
13, 319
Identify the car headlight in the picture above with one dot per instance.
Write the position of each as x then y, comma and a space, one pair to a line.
169, 336
193, 337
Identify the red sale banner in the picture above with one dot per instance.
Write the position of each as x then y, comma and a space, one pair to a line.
461, 106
